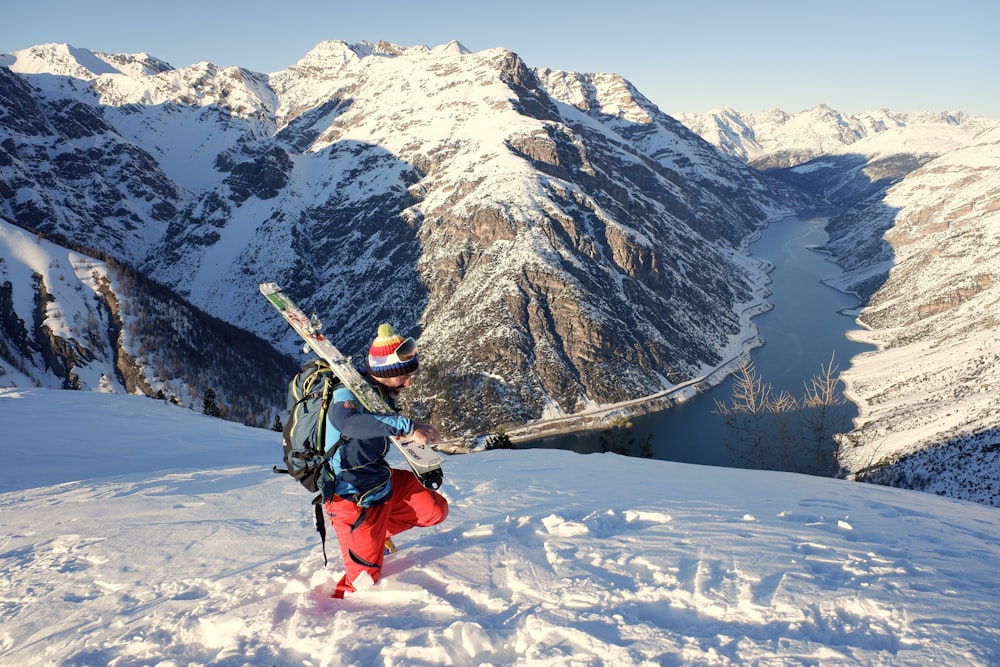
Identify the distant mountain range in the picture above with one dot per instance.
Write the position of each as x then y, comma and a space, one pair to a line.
553, 238
775, 139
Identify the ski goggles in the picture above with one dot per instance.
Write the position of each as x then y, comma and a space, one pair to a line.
405, 353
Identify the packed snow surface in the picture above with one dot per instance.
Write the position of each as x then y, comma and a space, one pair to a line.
133, 532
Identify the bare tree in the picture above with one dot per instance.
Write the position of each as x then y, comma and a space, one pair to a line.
783, 409
822, 415
775, 431
745, 414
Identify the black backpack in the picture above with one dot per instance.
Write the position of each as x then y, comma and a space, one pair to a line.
309, 395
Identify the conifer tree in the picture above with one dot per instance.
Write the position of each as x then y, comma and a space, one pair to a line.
211, 408
500, 440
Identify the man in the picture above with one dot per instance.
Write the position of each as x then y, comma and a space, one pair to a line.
372, 501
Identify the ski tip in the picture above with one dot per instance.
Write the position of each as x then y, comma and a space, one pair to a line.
269, 288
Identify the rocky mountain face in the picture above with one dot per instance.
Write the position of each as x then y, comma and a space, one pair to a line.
553, 239
917, 231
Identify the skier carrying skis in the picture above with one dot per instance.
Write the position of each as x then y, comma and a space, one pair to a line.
372, 501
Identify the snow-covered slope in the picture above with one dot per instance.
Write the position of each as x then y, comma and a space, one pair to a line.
934, 280
73, 321
588, 243
186, 549
67, 298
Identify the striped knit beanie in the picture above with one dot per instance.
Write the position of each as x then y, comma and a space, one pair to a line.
391, 355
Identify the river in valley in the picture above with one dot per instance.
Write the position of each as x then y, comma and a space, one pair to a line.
805, 328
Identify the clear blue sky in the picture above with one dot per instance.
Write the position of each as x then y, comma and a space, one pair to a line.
690, 55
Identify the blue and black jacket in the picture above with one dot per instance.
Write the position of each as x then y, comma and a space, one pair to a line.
359, 465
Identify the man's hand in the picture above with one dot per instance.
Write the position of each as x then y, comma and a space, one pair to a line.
424, 434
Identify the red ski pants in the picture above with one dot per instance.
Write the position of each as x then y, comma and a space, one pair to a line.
362, 543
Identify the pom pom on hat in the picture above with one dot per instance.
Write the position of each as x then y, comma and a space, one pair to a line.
385, 342
391, 355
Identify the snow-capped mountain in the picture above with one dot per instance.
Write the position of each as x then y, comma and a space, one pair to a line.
554, 239
776, 139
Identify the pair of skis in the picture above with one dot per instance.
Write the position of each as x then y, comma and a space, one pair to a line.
422, 459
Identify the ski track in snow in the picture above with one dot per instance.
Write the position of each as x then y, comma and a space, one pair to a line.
547, 558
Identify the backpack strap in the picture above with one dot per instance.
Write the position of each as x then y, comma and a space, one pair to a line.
321, 498
321, 525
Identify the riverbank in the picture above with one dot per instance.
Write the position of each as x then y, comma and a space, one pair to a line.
599, 417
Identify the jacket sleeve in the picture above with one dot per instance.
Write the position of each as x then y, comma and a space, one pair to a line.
348, 417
